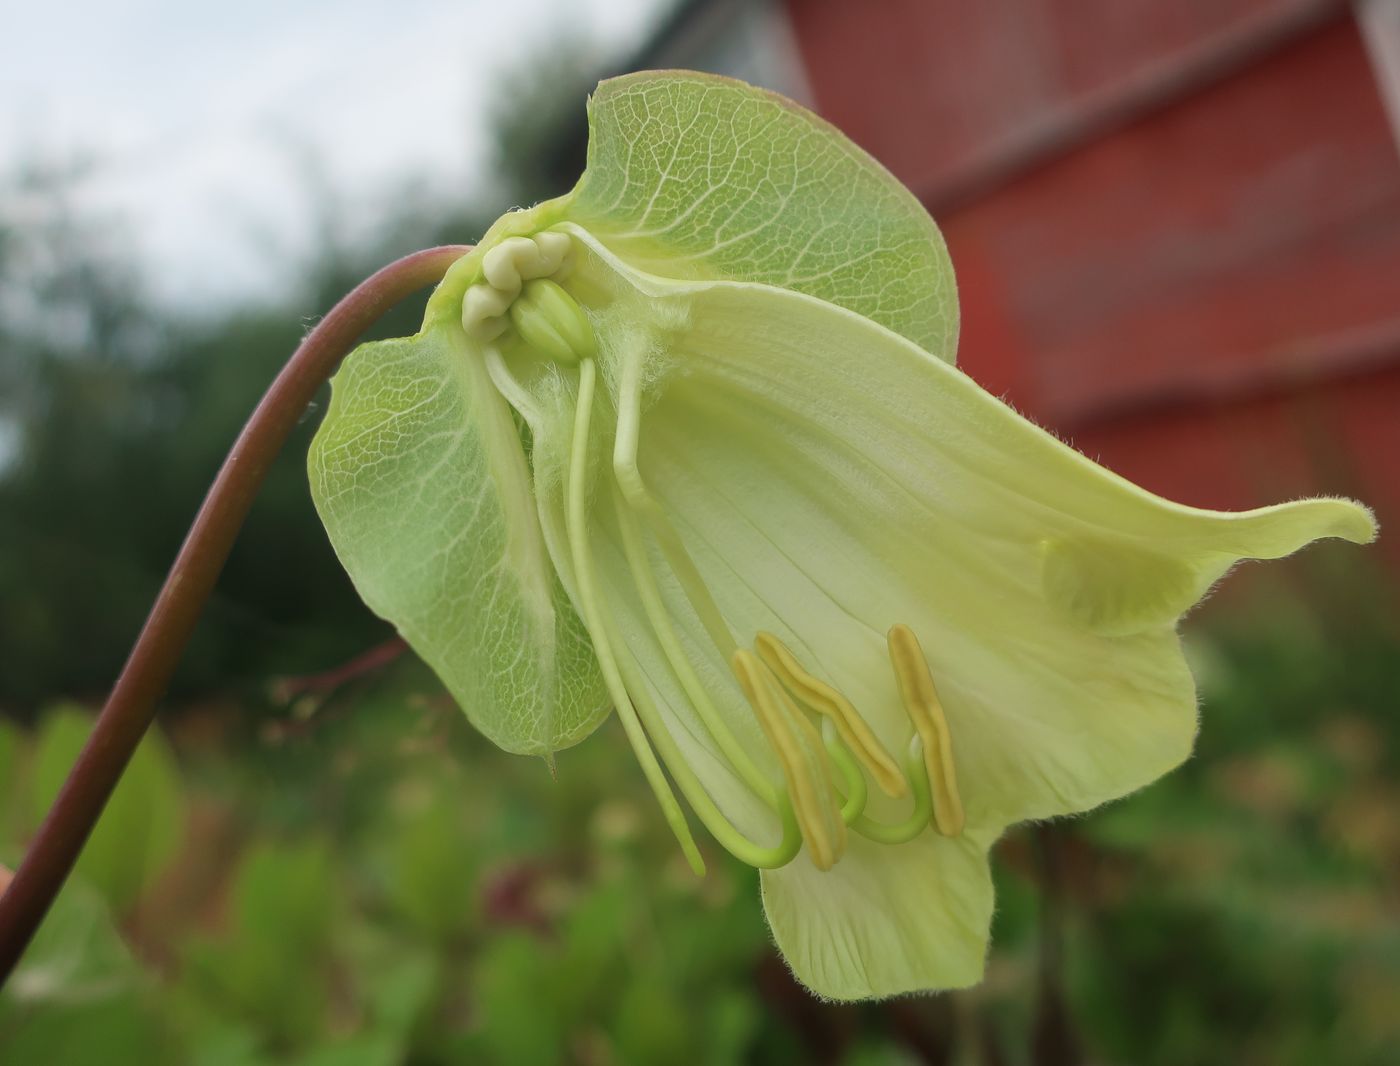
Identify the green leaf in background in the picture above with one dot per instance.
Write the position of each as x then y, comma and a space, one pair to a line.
288, 893
403, 986
11, 813
143, 821
220, 1043
78, 998
431, 869
356, 1051
592, 951
513, 986
692, 175
735, 1018
419, 477
269, 968
653, 1024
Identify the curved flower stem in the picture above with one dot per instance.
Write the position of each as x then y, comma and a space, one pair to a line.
131, 705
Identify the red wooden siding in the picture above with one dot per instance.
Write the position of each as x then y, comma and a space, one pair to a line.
931, 86
1239, 237
1176, 224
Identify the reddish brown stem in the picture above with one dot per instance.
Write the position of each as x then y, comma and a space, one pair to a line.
143, 681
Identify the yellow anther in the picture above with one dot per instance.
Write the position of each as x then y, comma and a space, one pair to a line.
855, 733
800, 753
924, 709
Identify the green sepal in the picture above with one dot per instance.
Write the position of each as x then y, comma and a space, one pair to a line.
693, 176
421, 481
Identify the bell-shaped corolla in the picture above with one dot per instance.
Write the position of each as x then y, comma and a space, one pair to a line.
689, 443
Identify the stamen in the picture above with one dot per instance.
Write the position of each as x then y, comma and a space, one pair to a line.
855, 791
921, 702
812, 809
731, 839
855, 733
634, 491
588, 597
645, 581
919, 818
629, 689
799, 753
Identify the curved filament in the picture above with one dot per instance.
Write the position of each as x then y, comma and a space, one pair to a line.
918, 820
575, 521
629, 690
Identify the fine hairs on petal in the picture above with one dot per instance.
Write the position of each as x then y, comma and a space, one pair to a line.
637, 329
553, 392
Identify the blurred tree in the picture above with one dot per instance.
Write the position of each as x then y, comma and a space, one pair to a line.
115, 413
540, 125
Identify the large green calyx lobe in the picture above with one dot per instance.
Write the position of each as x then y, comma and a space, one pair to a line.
692, 176
421, 480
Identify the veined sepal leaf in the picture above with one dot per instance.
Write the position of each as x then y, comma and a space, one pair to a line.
422, 483
697, 177
693, 176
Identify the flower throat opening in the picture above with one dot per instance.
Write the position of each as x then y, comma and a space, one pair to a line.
823, 746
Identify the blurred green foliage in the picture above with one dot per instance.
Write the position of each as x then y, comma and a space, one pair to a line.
360, 879
142, 822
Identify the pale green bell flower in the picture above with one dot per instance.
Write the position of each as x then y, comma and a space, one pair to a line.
689, 443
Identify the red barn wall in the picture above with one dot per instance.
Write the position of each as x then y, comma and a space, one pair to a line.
1176, 224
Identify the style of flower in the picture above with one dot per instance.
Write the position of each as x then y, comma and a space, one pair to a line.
689, 443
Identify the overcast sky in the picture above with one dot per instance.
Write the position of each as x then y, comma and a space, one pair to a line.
201, 114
